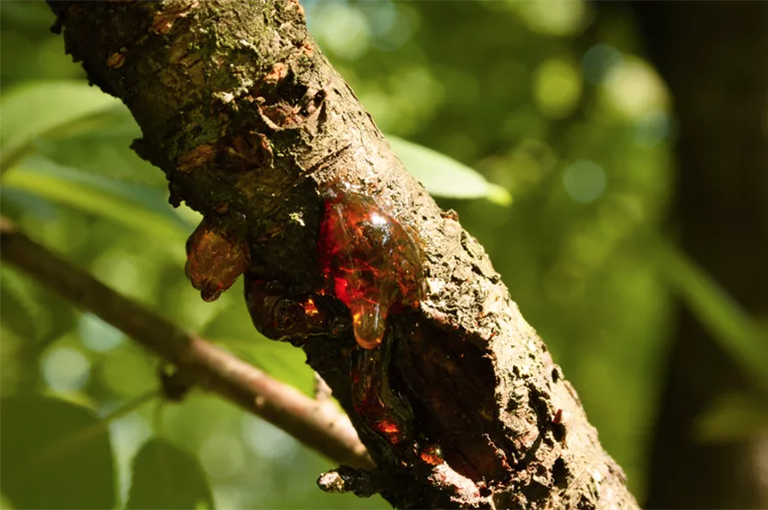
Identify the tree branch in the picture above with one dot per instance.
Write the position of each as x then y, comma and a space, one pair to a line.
317, 424
253, 127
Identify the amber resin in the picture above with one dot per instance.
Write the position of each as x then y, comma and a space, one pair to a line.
383, 411
214, 259
432, 455
280, 314
370, 260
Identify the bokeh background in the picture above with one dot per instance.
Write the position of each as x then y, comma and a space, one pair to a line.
558, 102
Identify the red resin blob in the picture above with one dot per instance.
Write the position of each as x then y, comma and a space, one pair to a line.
370, 260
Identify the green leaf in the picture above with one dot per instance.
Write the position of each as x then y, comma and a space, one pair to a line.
230, 321
446, 177
167, 476
736, 332
20, 310
140, 208
32, 311
278, 359
54, 454
44, 108
732, 417
232, 328
105, 151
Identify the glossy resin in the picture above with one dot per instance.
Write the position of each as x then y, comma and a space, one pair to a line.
214, 260
370, 260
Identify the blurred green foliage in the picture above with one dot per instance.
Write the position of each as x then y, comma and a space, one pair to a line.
55, 446
552, 106
165, 476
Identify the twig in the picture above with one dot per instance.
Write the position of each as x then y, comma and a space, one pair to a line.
317, 424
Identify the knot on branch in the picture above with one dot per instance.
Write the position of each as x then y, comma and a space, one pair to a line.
347, 479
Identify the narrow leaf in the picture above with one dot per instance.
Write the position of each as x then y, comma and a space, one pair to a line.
736, 332
54, 454
105, 151
39, 108
20, 311
142, 210
166, 476
32, 311
732, 417
444, 176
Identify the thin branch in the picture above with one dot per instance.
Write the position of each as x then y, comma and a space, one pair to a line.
317, 424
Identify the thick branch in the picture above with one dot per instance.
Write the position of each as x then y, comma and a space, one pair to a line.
252, 127
316, 423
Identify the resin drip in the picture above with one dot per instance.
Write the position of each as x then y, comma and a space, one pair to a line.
214, 260
383, 411
370, 260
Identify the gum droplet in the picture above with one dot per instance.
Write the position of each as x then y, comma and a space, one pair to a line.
371, 259
214, 260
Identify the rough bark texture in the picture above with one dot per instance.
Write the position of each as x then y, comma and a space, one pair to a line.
250, 123
714, 57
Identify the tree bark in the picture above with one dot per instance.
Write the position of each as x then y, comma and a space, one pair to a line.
713, 56
252, 126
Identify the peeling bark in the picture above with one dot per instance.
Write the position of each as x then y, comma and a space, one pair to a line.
250, 123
